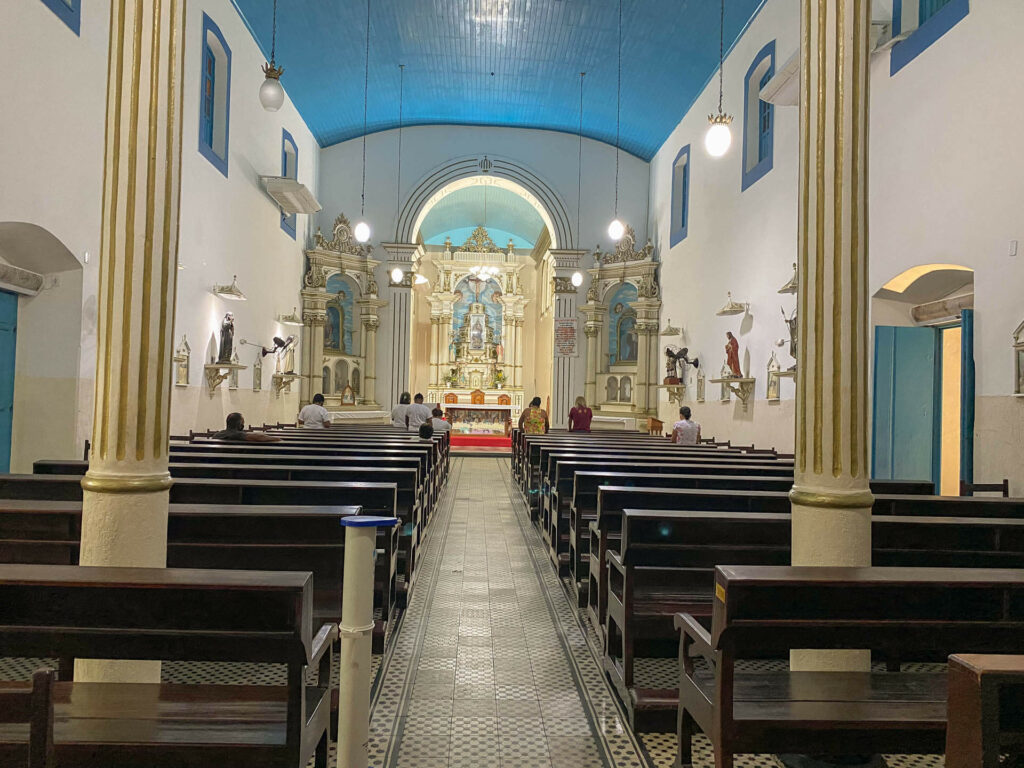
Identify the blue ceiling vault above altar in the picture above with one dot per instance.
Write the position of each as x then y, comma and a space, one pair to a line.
534, 48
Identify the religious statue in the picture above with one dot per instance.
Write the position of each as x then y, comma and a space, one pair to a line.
791, 324
676, 361
732, 355
227, 338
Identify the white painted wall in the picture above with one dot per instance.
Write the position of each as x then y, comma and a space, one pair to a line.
52, 154
946, 187
551, 156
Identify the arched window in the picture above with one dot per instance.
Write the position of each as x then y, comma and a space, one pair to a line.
625, 390
927, 20
68, 11
326, 389
611, 389
680, 196
758, 117
214, 96
355, 381
290, 170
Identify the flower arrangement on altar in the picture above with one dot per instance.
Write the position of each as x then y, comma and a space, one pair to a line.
499, 379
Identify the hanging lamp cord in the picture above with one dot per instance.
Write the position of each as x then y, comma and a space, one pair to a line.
721, 55
366, 92
618, 113
579, 163
273, 37
398, 188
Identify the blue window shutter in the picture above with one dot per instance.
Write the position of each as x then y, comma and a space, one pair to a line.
209, 84
764, 121
928, 8
685, 215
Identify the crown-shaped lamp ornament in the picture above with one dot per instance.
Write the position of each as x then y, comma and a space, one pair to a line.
271, 92
485, 165
719, 137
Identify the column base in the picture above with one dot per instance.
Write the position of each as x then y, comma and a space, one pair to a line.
123, 529
831, 527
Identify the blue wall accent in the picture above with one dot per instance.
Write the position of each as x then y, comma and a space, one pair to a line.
907, 398
205, 149
681, 176
622, 341
68, 11
765, 162
939, 24
967, 395
341, 289
8, 345
288, 221
535, 50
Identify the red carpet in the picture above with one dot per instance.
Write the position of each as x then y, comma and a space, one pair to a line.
489, 441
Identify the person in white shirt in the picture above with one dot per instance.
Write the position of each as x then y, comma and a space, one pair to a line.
685, 431
438, 423
314, 415
399, 414
417, 414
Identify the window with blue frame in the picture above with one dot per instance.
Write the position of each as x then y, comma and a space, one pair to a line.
758, 118
68, 11
926, 21
290, 170
214, 96
680, 196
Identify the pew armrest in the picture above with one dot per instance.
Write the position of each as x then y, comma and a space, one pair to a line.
692, 637
323, 642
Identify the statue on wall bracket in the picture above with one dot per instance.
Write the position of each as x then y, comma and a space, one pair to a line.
732, 355
227, 338
791, 323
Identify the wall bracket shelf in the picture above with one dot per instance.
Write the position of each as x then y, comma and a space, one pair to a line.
743, 388
676, 392
217, 373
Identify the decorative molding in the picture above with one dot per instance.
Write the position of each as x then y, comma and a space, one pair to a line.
625, 251
342, 239
480, 242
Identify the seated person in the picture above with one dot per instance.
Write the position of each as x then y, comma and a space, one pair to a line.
236, 431
314, 415
426, 433
437, 421
418, 413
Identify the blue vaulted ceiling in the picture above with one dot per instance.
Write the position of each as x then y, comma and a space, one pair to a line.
498, 62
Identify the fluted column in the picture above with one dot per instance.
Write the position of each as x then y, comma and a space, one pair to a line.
125, 491
368, 309
403, 256
435, 351
594, 314
831, 494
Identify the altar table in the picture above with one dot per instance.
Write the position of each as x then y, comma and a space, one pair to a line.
479, 419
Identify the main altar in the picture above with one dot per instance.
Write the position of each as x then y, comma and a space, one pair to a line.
476, 328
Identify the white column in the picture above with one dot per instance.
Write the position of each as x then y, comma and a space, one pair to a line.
368, 309
564, 380
403, 256
831, 496
125, 491
594, 314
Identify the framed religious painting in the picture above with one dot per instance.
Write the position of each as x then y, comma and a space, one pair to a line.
348, 397
477, 331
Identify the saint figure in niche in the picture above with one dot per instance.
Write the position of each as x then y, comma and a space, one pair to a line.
476, 334
627, 340
732, 355
227, 338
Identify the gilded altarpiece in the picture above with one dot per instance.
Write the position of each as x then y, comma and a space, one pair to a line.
340, 307
621, 329
476, 323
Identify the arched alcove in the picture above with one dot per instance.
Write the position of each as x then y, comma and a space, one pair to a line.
49, 345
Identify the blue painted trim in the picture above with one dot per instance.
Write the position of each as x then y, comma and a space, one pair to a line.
220, 163
69, 12
368, 521
679, 233
921, 38
967, 395
897, 17
288, 222
766, 164
937, 412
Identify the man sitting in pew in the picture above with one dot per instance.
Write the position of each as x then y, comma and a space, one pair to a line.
314, 415
236, 431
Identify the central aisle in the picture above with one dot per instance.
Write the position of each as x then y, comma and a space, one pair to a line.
491, 665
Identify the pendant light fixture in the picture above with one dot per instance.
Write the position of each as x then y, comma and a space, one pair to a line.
398, 180
577, 277
271, 92
719, 137
616, 229
362, 229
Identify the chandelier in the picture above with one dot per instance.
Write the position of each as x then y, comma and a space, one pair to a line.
484, 272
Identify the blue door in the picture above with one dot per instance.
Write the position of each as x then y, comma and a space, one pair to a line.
8, 337
906, 404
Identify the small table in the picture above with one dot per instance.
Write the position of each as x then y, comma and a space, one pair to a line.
986, 709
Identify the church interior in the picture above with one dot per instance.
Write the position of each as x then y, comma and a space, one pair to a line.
367, 399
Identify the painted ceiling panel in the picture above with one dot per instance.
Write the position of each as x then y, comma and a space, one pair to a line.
497, 62
502, 211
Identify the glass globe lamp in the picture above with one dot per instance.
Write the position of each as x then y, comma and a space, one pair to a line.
616, 230
397, 274
577, 279
362, 231
271, 92
718, 138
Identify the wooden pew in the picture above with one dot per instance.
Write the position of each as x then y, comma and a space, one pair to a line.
664, 564
986, 710
613, 499
227, 537
26, 716
920, 614
180, 615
